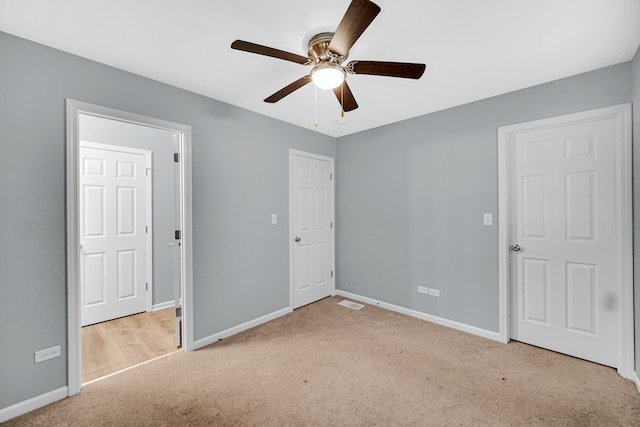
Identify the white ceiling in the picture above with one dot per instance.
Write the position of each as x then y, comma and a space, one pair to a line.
473, 49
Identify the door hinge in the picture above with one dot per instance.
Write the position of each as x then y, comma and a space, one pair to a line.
176, 234
331, 176
331, 224
146, 229
331, 273
176, 157
146, 286
146, 172
178, 311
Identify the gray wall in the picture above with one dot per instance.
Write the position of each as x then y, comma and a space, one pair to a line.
411, 195
159, 142
635, 76
240, 177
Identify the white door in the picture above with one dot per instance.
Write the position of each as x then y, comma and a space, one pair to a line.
563, 237
113, 205
312, 245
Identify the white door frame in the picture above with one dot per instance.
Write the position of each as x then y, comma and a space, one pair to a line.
73, 110
148, 210
332, 249
506, 135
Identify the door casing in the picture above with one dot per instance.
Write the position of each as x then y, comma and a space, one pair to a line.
622, 116
73, 110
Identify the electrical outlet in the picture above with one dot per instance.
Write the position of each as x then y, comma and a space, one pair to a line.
423, 290
434, 292
47, 353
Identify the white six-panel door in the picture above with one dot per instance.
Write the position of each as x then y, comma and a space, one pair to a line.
564, 240
113, 208
312, 228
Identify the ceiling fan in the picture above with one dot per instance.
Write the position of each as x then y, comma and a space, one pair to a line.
328, 51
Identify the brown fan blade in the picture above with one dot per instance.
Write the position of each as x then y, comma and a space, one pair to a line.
391, 69
345, 97
288, 89
269, 51
355, 20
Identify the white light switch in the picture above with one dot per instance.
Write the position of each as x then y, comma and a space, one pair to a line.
487, 219
274, 218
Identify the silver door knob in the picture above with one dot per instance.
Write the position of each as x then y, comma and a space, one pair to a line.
516, 248
297, 240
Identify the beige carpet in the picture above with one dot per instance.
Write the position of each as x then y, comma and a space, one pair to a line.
327, 365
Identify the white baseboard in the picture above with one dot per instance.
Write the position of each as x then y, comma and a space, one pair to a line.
637, 381
163, 305
32, 404
240, 328
423, 316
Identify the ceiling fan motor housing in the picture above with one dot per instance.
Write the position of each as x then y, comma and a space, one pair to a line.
319, 49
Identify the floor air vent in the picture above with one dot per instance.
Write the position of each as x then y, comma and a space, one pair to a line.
351, 305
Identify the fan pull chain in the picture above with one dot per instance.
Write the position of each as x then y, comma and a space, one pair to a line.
316, 102
342, 100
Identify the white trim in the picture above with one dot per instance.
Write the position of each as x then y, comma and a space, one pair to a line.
73, 109
624, 196
149, 229
32, 404
332, 256
291, 229
240, 328
423, 316
163, 305
636, 379
503, 240
148, 220
311, 155
113, 147
187, 238
622, 115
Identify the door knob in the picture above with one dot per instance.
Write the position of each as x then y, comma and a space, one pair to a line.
297, 240
516, 248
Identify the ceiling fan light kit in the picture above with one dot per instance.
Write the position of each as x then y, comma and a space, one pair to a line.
327, 52
328, 75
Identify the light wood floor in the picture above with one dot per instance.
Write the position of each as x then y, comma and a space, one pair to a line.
109, 347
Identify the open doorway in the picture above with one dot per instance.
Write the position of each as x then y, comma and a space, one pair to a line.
140, 292
127, 218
